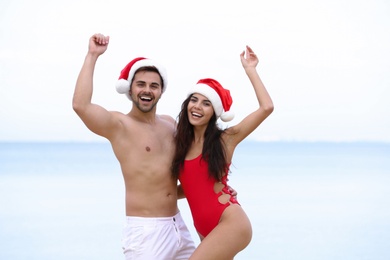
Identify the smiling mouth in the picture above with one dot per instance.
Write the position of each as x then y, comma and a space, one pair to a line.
196, 115
147, 99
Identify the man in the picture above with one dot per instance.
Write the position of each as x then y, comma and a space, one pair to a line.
143, 144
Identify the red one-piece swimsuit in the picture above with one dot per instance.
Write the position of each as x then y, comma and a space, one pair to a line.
198, 188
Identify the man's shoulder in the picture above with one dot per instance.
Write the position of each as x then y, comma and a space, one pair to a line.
167, 119
117, 113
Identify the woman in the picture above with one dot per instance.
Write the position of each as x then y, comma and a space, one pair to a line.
203, 156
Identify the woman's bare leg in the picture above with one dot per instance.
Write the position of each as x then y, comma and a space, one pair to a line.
229, 237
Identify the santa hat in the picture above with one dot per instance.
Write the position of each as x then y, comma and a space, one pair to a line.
127, 74
219, 97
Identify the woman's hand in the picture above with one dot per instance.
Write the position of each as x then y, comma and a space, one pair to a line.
249, 60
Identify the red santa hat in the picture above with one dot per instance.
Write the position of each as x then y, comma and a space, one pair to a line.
219, 97
127, 74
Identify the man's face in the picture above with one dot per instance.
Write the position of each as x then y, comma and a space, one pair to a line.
146, 90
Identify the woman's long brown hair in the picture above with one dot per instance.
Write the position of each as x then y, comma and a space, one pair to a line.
213, 150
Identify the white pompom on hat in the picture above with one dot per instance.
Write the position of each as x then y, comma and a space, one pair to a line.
127, 74
219, 97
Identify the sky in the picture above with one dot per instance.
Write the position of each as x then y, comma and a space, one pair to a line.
326, 64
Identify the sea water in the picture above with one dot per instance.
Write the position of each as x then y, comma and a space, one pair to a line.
325, 201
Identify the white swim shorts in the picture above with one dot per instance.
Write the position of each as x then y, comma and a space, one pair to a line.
166, 238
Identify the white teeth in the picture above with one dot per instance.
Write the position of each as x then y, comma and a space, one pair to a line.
196, 114
146, 98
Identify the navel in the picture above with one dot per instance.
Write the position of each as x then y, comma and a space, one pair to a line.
147, 148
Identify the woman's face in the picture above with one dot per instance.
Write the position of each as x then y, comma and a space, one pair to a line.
199, 110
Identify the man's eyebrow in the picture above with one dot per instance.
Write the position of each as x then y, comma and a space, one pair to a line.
140, 81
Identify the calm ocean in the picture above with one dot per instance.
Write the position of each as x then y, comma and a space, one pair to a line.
306, 201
